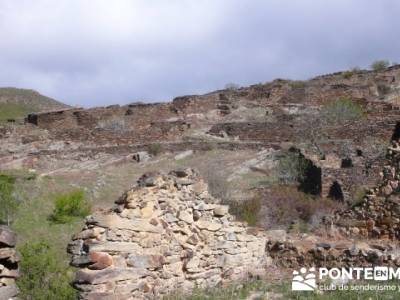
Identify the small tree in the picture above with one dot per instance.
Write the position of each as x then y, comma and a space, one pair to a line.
8, 202
380, 65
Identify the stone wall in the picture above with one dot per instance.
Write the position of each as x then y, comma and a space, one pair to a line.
8, 264
167, 233
315, 251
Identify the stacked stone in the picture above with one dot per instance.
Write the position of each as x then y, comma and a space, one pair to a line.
166, 233
378, 215
8, 264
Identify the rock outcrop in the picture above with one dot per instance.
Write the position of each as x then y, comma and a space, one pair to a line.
167, 233
8, 264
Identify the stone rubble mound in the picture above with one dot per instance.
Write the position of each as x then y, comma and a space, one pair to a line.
167, 233
8, 263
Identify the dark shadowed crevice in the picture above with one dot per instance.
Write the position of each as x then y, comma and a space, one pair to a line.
396, 132
335, 192
347, 163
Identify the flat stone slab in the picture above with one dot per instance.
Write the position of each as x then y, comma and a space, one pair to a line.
115, 221
109, 275
7, 237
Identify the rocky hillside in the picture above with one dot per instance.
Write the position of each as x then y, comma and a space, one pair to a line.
17, 103
341, 123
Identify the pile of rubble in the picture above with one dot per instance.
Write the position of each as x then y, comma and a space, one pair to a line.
8, 264
378, 214
167, 233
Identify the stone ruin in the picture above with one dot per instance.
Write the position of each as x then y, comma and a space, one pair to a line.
366, 234
167, 233
8, 264
378, 214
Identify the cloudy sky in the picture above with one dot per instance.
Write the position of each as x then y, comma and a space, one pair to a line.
100, 52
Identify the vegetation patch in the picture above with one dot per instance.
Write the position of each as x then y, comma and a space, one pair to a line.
8, 201
247, 210
297, 84
341, 111
43, 275
70, 206
13, 111
230, 292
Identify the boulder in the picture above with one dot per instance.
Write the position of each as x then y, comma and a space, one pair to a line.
145, 261
8, 291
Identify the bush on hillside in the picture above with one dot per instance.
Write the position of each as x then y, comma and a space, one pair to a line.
380, 65
247, 210
70, 206
43, 276
341, 111
292, 167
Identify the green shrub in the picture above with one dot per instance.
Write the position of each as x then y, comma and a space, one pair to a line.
341, 111
155, 149
70, 206
43, 276
380, 65
8, 201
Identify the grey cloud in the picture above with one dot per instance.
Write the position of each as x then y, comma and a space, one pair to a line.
101, 52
